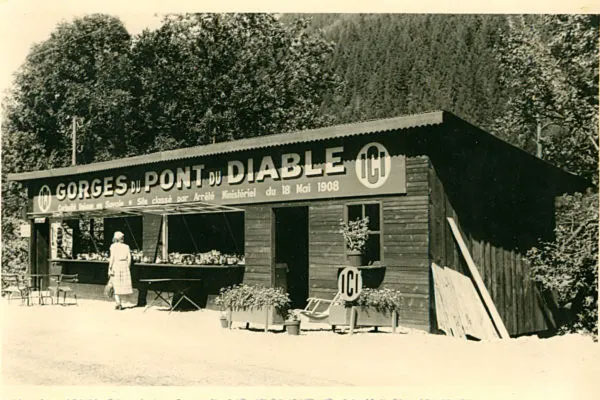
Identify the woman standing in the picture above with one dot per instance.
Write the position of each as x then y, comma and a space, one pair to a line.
118, 268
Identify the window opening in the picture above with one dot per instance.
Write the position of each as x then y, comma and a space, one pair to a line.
374, 242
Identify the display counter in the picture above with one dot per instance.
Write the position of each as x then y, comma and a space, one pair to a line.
214, 276
144, 264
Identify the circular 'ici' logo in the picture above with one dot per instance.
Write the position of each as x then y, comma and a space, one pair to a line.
44, 198
373, 165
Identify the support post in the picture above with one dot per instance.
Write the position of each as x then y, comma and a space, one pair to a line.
266, 319
74, 141
352, 319
165, 238
538, 139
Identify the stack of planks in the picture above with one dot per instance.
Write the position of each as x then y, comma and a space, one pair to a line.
459, 309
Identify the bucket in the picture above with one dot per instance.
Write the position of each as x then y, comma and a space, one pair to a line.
224, 322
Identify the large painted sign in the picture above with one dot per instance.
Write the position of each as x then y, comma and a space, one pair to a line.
295, 172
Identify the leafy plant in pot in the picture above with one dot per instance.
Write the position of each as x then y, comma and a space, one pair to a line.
292, 323
355, 235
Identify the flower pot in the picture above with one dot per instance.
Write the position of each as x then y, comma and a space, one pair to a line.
224, 322
354, 258
292, 327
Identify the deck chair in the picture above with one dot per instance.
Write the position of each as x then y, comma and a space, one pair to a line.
61, 287
317, 309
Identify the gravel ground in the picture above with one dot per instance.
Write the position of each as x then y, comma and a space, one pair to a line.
92, 344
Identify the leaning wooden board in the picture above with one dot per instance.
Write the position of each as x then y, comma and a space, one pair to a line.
489, 303
459, 309
477, 321
447, 309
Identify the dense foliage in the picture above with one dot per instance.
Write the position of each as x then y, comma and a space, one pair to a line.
15, 250
550, 70
83, 71
396, 64
568, 266
224, 77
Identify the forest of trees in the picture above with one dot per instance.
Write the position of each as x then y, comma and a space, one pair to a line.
531, 80
402, 64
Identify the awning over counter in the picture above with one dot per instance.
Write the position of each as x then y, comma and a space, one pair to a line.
193, 207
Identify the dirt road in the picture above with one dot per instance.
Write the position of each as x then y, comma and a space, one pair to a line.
92, 344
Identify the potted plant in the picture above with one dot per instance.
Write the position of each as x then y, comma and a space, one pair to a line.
355, 235
256, 304
292, 323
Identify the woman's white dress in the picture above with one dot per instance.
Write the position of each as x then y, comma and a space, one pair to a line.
120, 260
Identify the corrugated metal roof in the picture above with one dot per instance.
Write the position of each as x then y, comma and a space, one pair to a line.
311, 135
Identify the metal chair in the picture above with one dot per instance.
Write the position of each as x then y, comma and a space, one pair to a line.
60, 287
16, 284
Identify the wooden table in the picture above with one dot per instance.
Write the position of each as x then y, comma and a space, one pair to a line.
177, 286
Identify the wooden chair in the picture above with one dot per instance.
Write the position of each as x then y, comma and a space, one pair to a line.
13, 284
60, 287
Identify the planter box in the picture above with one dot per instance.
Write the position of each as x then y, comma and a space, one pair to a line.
365, 316
368, 316
339, 315
262, 316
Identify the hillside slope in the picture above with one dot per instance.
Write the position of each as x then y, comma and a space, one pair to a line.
394, 64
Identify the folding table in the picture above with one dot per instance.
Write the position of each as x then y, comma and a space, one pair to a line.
177, 286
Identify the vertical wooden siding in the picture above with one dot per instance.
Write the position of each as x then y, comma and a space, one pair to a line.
491, 235
258, 222
326, 247
404, 251
406, 244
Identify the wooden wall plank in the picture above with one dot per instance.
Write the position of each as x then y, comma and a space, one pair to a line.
258, 245
519, 293
499, 299
527, 303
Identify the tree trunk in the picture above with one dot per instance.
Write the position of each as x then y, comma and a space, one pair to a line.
538, 140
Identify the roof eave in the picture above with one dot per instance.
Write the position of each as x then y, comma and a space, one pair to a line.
311, 135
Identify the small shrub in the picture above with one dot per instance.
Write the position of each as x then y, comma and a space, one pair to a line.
383, 300
247, 297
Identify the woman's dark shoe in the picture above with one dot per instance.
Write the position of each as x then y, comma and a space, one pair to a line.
118, 307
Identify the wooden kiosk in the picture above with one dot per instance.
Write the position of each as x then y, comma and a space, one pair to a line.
284, 196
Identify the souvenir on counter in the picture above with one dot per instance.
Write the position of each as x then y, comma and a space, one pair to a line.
213, 257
